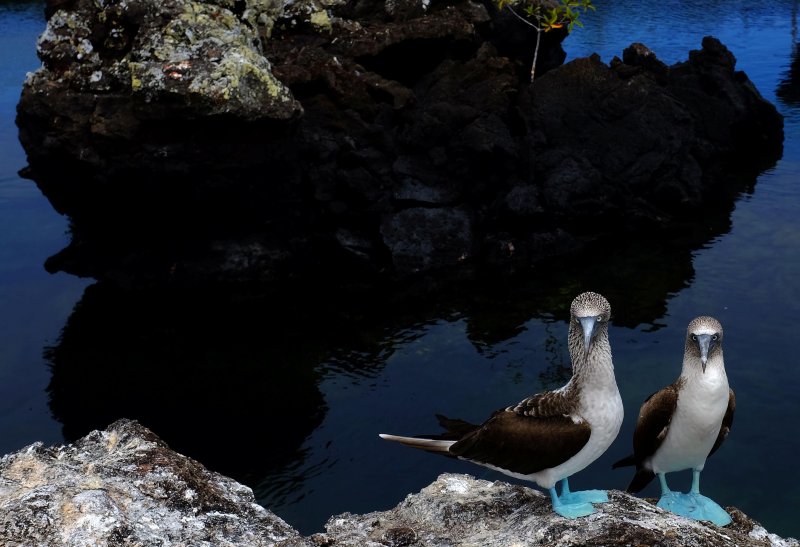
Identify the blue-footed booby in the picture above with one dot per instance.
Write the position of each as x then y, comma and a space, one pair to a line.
684, 423
552, 435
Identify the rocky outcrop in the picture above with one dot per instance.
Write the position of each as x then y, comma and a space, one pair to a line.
460, 510
220, 141
124, 486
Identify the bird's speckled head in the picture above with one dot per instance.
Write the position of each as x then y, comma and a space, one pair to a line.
589, 315
704, 339
590, 304
704, 325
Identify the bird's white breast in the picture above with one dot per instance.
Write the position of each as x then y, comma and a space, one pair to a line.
695, 425
602, 408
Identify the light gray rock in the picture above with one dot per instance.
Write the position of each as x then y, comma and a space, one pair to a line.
124, 486
461, 510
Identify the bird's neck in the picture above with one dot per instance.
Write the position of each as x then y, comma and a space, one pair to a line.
714, 375
594, 370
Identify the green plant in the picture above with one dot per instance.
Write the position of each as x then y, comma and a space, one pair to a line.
544, 19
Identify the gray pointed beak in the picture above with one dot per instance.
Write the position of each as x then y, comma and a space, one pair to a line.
589, 326
704, 343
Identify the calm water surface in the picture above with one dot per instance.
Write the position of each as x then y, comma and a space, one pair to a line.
291, 403
33, 304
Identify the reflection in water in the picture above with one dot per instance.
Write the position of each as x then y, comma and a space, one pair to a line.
788, 91
559, 367
225, 382
276, 390
789, 87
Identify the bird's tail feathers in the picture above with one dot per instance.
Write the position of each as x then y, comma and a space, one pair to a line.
455, 429
624, 462
641, 479
437, 446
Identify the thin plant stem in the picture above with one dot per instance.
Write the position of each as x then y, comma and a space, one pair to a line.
535, 55
538, 40
521, 18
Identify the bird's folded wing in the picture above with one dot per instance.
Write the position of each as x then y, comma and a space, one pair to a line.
546, 404
654, 420
727, 422
523, 444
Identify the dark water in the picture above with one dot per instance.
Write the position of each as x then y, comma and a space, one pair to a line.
288, 392
33, 304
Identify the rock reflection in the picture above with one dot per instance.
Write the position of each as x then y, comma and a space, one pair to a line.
230, 383
230, 379
236, 380
789, 87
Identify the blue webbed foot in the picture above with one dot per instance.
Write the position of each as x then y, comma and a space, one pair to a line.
576, 504
573, 510
582, 496
585, 496
694, 506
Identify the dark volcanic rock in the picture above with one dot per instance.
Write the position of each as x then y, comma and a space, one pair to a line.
148, 85
421, 239
651, 139
217, 141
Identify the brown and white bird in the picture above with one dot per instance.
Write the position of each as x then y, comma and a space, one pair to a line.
681, 425
549, 436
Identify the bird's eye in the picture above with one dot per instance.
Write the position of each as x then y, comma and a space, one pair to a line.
715, 337
599, 318
694, 338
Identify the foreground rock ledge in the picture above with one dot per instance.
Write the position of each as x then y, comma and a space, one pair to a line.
461, 510
124, 486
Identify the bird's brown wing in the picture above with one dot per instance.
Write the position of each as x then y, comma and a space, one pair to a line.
651, 430
654, 421
727, 422
536, 434
546, 404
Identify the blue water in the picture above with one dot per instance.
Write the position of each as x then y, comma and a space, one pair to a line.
211, 380
34, 305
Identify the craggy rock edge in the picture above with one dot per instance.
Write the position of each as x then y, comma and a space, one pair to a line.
219, 141
124, 486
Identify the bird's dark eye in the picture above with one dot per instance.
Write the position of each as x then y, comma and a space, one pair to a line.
694, 338
715, 337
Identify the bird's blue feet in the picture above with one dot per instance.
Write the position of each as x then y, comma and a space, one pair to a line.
585, 496
576, 504
694, 506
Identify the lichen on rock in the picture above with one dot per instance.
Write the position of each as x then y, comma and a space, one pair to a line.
200, 54
205, 53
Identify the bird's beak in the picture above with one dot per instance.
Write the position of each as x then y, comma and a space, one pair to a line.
589, 325
704, 343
